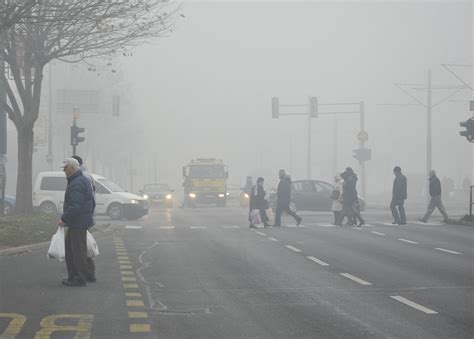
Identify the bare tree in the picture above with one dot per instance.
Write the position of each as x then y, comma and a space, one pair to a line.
70, 31
12, 12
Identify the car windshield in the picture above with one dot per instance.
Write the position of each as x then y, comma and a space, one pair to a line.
206, 171
111, 185
156, 188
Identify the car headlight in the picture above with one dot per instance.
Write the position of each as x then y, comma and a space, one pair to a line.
145, 196
221, 195
133, 201
246, 195
192, 195
227, 194
169, 196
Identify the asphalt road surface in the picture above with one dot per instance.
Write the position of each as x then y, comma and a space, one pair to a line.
202, 273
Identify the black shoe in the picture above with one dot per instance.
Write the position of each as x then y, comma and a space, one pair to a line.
253, 226
402, 223
395, 222
73, 283
266, 225
276, 225
298, 222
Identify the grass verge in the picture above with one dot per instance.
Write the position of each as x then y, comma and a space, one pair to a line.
19, 230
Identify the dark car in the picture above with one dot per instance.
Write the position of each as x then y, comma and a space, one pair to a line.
159, 194
9, 204
310, 195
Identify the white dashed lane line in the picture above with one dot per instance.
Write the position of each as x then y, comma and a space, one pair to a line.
413, 304
354, 278
166, 227
261, 233
378, 233
316, 260
294, 249
198, 227
408, 241
447, 251
233, 226
131, 227
273, 239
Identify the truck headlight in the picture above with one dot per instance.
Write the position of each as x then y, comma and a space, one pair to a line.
246, 195
221, 195
169, 196
145, 196
192, 195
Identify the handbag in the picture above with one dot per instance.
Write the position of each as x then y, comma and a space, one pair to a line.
92, 248
57, 248
255, 217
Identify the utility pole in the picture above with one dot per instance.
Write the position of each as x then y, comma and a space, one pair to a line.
49, 156
3, 141
428, 126
362, 142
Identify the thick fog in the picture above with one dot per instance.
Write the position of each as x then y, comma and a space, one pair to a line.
205, 91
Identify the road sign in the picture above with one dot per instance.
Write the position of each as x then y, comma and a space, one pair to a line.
362, 136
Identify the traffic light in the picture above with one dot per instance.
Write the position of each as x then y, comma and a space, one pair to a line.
362, 154
469, 132
313, 107
275, 108
75, 138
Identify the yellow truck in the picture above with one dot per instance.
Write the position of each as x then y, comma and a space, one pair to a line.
205, 182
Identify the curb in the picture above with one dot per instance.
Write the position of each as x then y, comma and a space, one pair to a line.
29, 248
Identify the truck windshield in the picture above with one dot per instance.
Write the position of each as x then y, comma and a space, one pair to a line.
206, 171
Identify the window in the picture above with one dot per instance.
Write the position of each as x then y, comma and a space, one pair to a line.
307, 186
206, 171
297, 186
100, 189
54, 184
323, 186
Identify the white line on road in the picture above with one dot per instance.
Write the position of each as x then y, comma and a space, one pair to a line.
426, 223
261, 233
293, 248
408, 241
325, 225
413, 304
273, 239
316, 260
378, 233
357, 280
233, 226
167, 227
447, 251
198, 227
130, 227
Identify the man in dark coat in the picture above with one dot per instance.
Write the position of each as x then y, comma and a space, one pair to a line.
350, 198
258, 202
283, 199
399, 195
77, 217
435, 193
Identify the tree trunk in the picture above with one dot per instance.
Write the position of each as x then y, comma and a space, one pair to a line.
24, 186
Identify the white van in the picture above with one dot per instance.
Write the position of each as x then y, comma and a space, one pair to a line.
111, 200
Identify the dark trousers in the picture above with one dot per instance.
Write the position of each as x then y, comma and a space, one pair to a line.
76, 254
338, 217
398, 211
284, 208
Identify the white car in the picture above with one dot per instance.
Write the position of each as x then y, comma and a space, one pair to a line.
111, 200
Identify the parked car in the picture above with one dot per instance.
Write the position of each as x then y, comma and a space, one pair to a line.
158, 194
111, 200
9, 206
310, 195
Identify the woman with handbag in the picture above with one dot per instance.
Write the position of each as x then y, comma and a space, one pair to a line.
258, 205
336, 197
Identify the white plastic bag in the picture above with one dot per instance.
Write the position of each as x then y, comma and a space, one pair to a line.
92, 248
255, 218
57, 247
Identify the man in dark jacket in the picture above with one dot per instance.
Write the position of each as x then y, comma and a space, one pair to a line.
435, 193
77, 217
284, 198
399, 195
258, 202
350, 198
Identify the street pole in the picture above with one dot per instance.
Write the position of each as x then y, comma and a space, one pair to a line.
361, 145
3, 141
335, 144
49, 157
74, 144
428, 128
308, 159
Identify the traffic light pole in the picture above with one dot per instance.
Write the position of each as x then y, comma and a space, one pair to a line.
74, 144
3, 141
362, 145
308, 156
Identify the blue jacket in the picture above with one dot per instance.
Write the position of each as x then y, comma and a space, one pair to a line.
79, 202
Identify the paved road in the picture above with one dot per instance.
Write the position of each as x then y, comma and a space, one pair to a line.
202, 273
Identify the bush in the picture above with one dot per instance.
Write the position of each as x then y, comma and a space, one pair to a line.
19, 230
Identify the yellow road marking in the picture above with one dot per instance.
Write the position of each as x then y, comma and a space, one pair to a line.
126, 262
135, 303
123, 258
126, 272
15, 325
137, 315
129, 279
130, 285
134, 328
125, 267
49, 326
133, 294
